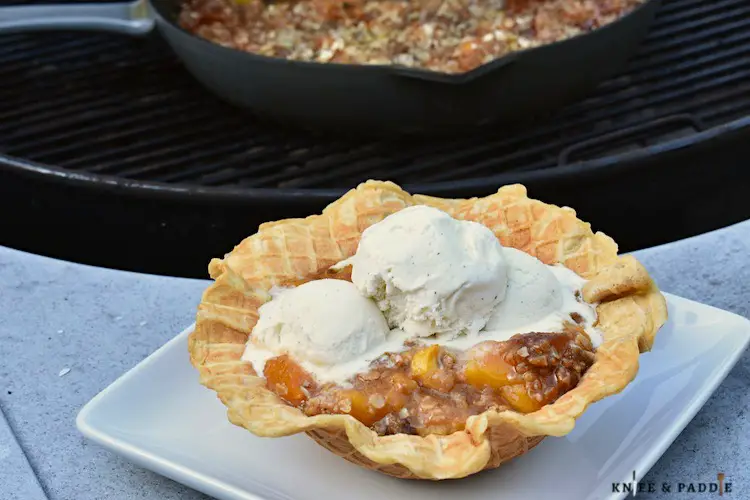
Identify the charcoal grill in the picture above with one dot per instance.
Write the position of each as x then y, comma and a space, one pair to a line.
112, 155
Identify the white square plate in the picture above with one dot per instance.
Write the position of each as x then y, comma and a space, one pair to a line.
158, 416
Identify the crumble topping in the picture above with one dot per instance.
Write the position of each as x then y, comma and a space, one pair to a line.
449, 36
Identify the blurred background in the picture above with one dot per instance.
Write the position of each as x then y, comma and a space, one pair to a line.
111, 154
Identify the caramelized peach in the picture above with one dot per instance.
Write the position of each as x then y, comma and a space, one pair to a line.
368, 409
490, 370
401, 383
425, 367
388, 395
288, 379
518, 398
425, 361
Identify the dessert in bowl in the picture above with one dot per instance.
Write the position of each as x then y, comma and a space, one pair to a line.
423, 337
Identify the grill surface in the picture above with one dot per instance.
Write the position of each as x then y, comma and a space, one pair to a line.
109, 105
116, 157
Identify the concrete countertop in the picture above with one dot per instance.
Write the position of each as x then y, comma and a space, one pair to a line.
99, 323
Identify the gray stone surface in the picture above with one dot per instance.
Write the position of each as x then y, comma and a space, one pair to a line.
100, 323
714, 269
17, 478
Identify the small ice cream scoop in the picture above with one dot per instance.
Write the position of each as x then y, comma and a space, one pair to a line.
533, 293
430, 273
324, 322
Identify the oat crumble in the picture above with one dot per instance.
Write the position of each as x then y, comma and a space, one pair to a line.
450, 36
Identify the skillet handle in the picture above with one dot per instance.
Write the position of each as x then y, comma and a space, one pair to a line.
131, 18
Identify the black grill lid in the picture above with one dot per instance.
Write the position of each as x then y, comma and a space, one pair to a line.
113, 106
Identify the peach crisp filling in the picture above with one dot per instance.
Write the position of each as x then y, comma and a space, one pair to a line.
431, 389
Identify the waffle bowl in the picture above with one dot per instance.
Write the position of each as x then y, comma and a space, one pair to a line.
630, 311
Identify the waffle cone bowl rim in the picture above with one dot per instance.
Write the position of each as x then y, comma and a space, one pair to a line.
630, 311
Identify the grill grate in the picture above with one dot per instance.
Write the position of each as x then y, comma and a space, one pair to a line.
112, 105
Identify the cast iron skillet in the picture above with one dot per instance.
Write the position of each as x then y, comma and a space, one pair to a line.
370, 99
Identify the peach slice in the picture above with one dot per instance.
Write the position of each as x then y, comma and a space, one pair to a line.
367, 409
489, 370
425, 362
370, 406
288, 379
518, 398
425, 368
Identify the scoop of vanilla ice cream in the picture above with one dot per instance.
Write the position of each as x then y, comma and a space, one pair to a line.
429, 272
533, 292
540, 298
324, 322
